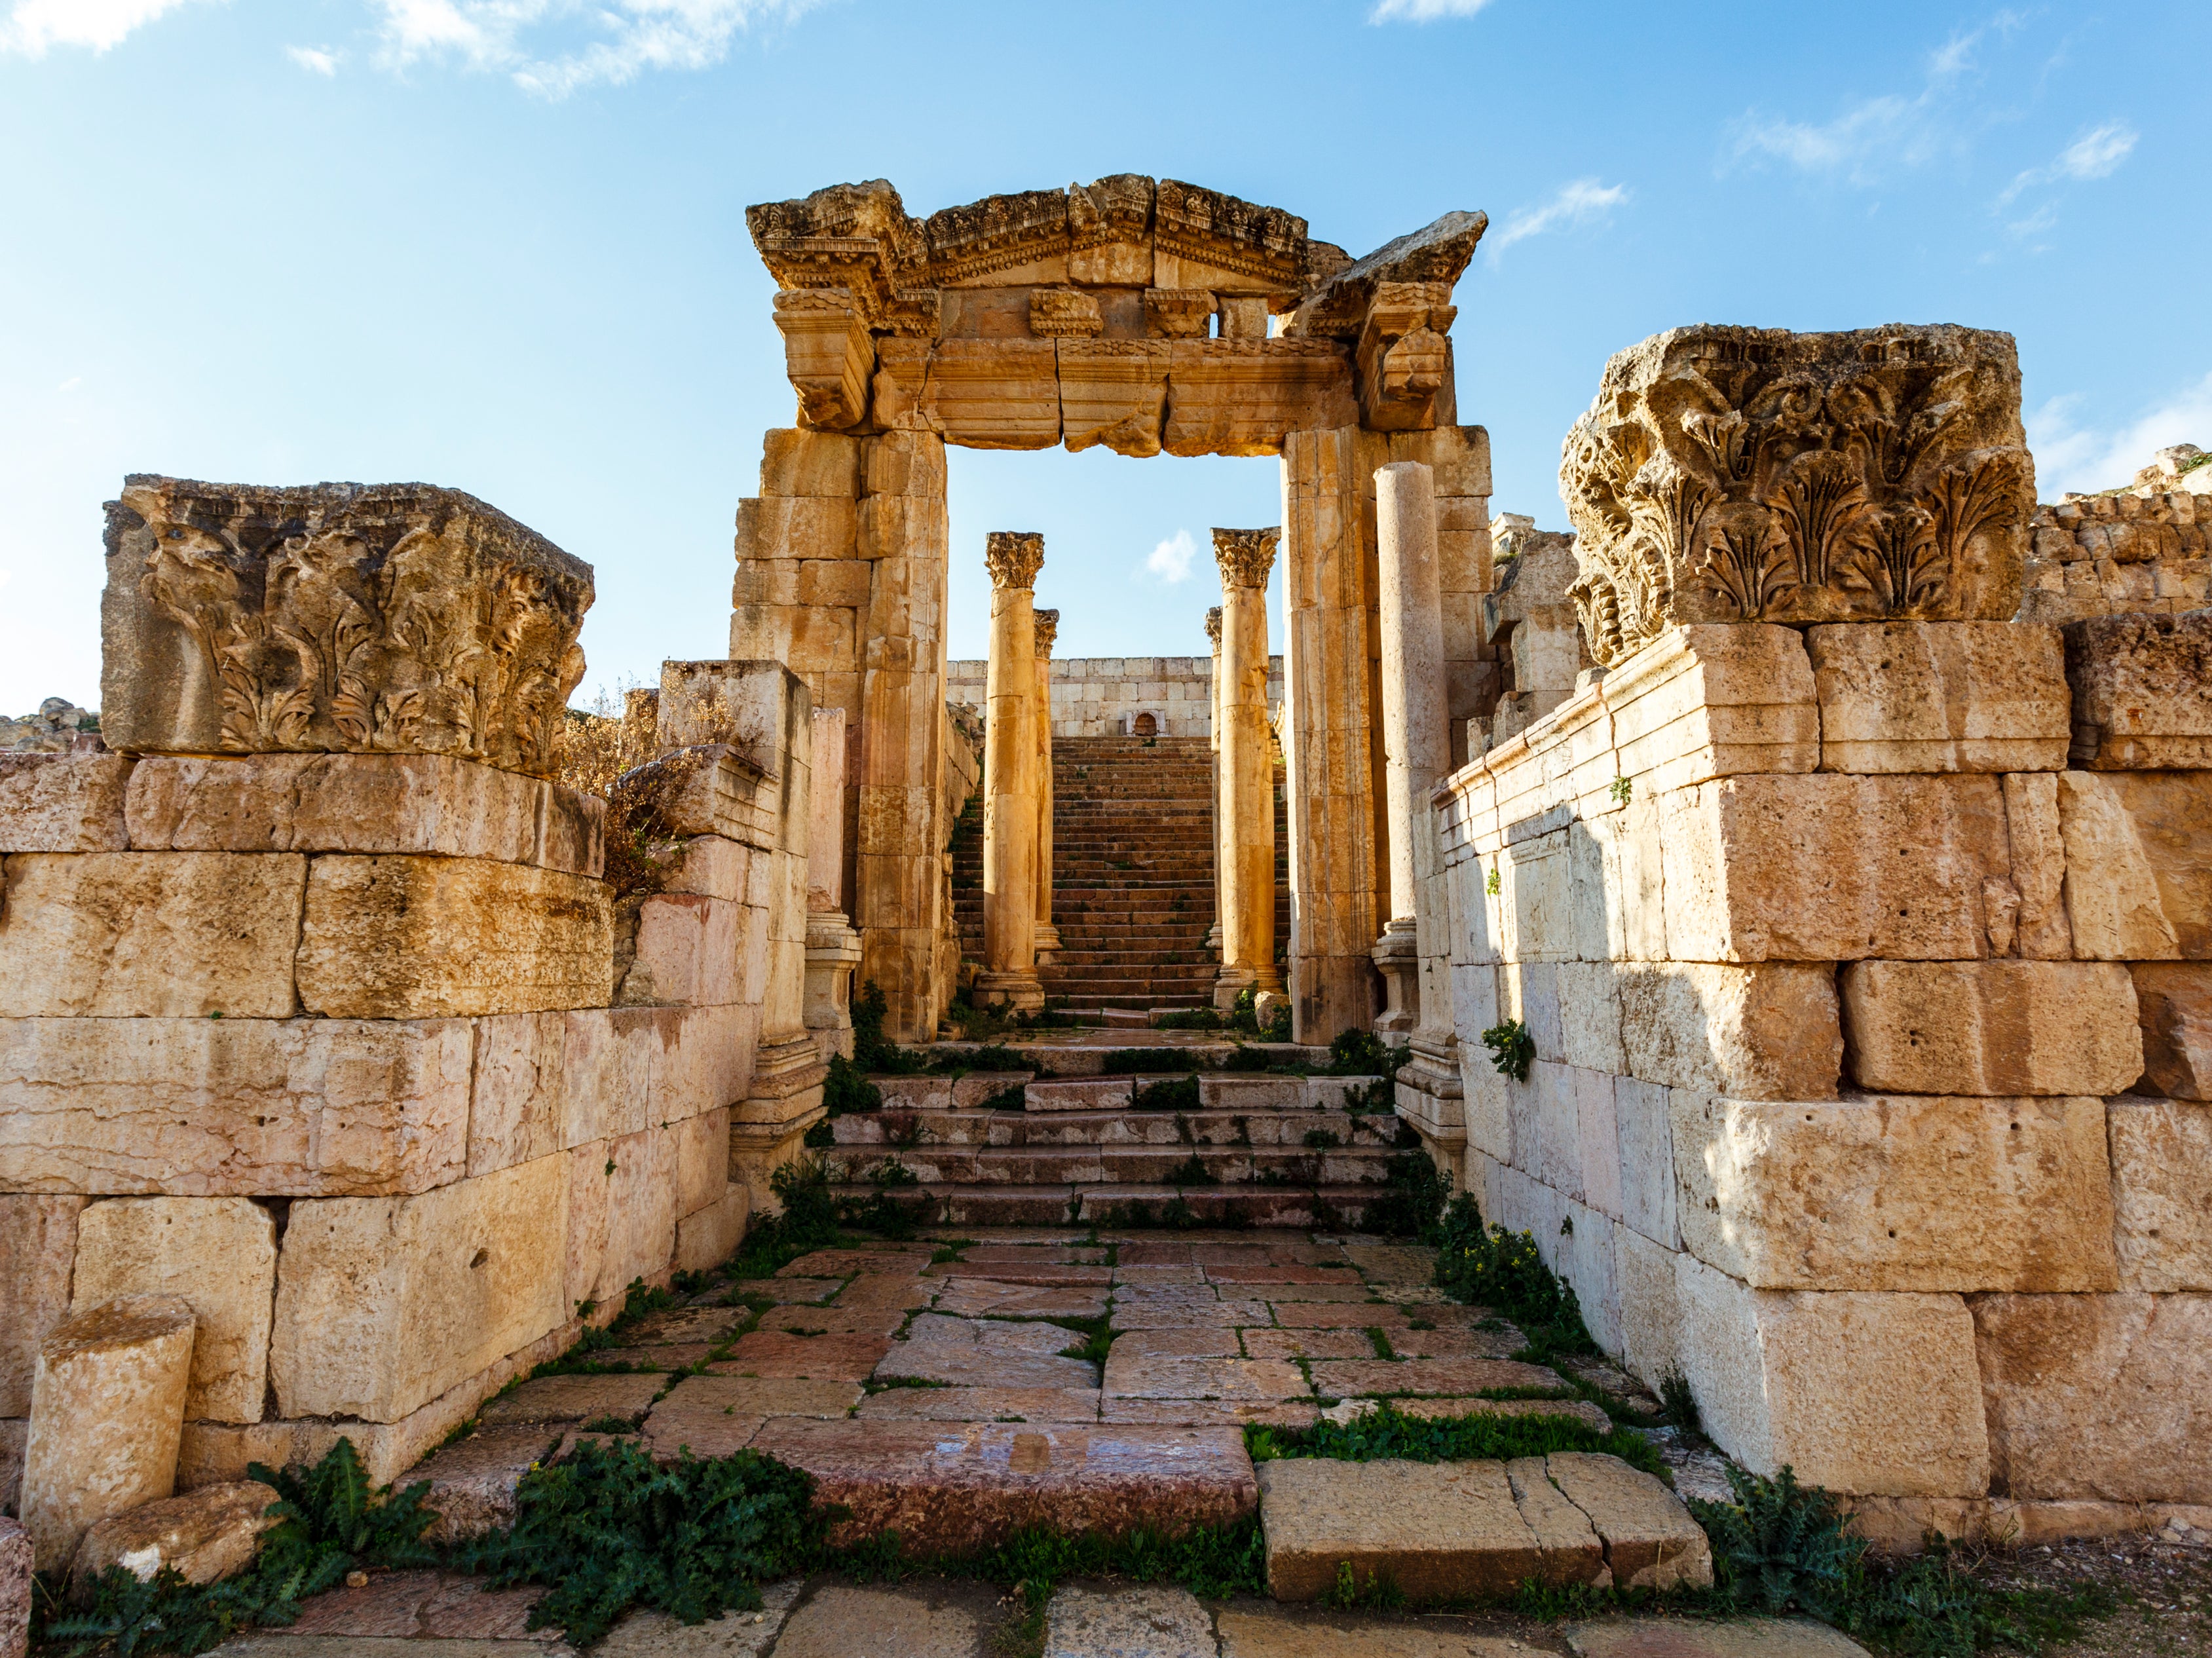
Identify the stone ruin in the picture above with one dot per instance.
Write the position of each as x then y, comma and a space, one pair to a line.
1791, 888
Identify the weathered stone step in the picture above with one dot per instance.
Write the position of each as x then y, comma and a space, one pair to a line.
1100, 1166
1474, 1530
1139, 1205
932, 1127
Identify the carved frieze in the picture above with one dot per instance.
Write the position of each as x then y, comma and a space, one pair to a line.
1013, 557
339, 617
1178, 314
1063, 314
1264, 245
1246, 555
1742, 474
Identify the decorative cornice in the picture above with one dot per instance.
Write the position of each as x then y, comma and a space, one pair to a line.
1047, 630
1013, 557
1245, 556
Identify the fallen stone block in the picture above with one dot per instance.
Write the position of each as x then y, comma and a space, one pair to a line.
204, 1534
107, 1412
138, 935
2142, 691
1991, 1028
571, 1399
985, 1352
945, 1486
1940, 697
219, 1255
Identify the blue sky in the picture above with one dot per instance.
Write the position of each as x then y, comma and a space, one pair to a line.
499, 244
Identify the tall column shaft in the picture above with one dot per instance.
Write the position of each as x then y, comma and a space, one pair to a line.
1416, 732
1246, 768
1048, 935
1213, 741
1010, 799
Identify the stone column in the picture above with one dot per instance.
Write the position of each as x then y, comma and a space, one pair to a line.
1048, 935
1246, 769
1328, 736
1416, 730
1010, 801
1213, 741
833, 949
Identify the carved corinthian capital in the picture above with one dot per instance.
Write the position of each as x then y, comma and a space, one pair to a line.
1013, 557
1047, 630
1213, 628
338, 618
1245, 556
1747, 474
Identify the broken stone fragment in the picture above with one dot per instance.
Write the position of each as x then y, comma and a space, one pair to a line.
204, 1534
107, 1412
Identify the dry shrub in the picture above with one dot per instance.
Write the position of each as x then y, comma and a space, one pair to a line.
614, 753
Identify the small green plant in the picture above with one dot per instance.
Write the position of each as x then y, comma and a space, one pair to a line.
1179, 1095
1490, 882
1192, 1171
1411, 1204
1678, 1405
606, 1529
1621, 790
1379, 1594
1007, 1099
871, 1052
845, 1090
1357, 1054
1188, 1018
1512, 1049
820, 1138
1322, 1140
1502, 1271
1780, 1546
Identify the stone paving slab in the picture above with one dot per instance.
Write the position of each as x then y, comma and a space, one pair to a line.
683, 1324
824, 1358
1208, 1412
1287, 1633
1335, 1292
795, 1290
1161, 1314
661, 1359
1580, 1410
472, 1480
1309, 1343
835, 1319
1402, 1263
970, 1297
1679, 1637
1141, 1622
1338, 1315
1044, 1273
1149, 1375
425, 1604
985, 1353
745, 1395
1182, 1341
734, 1635
946, 1486
1282, 1273
1352, 1378
1003, 1254
980, 1404
1455, 1343
1187, 1272
885, 1258
262, 1644
885, 1291
1651, 1540
571, 1399
843, 1621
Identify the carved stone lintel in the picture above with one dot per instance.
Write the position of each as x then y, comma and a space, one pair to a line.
1047, 630
336, 618
1013, 557
1245, 557
1744, 474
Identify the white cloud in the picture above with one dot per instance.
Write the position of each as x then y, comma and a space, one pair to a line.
1423, 11
552, 47
2069, 457
1171, 560
70, 384
1583, 201
2095, 155
319, 59
35, 25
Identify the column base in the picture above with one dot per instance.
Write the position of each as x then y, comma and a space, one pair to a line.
1048, 943
833, 950
1397, 956
758, 1149
1232, 983
1019, 992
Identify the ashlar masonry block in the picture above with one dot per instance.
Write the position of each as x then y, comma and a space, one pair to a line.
207, 1108
1897, 1193
219, 1256
384, 1303
2138, 864
1767, 1031
38, 1249
425, 938
1858, 1392
2142, 691
63, 802
1941, 696
1992, 1027
149, 935
2162, 1152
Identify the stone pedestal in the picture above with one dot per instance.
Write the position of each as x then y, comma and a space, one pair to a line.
1245, 771
1010, 792
1047, 935
1416, 734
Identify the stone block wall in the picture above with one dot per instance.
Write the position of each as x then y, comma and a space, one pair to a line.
2132, 551
1869, 1088
1102, 695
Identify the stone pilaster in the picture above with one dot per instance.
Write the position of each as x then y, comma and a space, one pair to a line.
1245, 770
833, 949
1010, 792
1213, 741
1048, 935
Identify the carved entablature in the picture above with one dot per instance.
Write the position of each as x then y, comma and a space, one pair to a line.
339, 617
895, 322
1744, 474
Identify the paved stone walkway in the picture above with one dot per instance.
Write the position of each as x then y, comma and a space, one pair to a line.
830, 1618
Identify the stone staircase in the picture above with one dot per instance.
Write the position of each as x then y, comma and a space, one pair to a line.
1133, 866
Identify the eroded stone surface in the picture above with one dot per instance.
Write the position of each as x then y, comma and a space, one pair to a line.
1933, 697
1677, 1637
2142, 691
988, 1352
1145, 1621
206, 1534
843, 1621
1991, 1028
980, 1404
571, 1399
63, 802
472, 1481
2161, 1154
37, 1246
